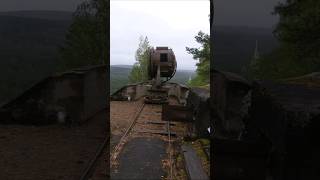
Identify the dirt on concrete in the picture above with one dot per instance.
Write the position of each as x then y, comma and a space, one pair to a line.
54, 152
122, 114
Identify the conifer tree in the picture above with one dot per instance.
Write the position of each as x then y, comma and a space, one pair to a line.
87, 38
201, 54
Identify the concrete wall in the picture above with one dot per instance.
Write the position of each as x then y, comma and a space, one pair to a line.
198, 100
70, 97
95, 98
219, 97
141, 90
179, 91
132, 92
230, 104
287, 116
67, 97
137, 91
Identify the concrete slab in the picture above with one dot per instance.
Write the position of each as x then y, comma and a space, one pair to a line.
141, 159
193, 164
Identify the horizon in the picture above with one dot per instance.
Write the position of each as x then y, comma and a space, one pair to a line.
175, 30
132, 65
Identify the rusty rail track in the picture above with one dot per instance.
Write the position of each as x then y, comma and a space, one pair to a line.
116, 151
170, 154
88, 172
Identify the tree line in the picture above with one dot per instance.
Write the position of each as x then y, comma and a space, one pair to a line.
87, 38
297, 54
299, 50
86, 44
139, 72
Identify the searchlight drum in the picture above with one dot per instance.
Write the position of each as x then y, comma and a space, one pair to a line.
162, 67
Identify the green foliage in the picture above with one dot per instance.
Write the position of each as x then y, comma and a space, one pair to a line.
139, 72
299, 28
136, 74
86, 40
278, 65
298, 33
201, 54
197, 81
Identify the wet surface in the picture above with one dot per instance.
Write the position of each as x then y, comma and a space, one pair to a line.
141, 159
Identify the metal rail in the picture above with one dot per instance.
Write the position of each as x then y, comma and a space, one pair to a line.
88, 172
170, 155
115, 151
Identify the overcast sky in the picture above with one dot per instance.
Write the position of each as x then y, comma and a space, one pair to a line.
61, 5
165, 23
172, 23
252, 13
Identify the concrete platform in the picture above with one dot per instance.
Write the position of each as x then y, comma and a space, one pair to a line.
141, 159
193, 164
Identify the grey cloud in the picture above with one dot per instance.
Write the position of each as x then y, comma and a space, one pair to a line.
255, 13
63, 5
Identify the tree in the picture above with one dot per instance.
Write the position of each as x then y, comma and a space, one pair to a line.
299, 27
139, 72
298, 32
278, 65
201, 54
86, 41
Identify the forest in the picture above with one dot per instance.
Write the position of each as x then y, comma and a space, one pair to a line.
29, 46
36, 44
30, 43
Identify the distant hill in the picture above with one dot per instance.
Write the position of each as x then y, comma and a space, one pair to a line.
29, 47
234, 46
119, 76
29, 43
182, 76
122, 66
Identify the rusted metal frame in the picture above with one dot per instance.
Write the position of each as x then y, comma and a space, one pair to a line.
176, 113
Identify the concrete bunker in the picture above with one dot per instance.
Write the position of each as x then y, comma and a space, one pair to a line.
231, 100
69, 97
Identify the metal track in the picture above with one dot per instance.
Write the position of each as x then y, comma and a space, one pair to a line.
170, 155
88, 172
115, 152
117, 149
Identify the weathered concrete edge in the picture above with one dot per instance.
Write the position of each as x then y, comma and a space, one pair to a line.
193, 164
